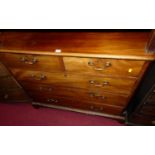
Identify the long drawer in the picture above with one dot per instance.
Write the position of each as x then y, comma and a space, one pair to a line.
115, 85
102, 67
99, 97
16, 95
73, 103
33, 62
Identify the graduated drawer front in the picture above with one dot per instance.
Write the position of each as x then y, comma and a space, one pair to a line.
78, 94
73, 103
3, 70
115, 85
32, 62
8, 83
16, 95
95, 66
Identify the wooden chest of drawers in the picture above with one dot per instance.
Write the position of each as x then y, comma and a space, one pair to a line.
91, 72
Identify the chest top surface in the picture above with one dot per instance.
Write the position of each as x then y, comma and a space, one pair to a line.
125, 45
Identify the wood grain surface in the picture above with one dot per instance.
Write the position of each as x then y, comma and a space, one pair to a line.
94, 71
125, 45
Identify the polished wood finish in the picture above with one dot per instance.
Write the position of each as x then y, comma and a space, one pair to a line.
32, 62
117, 85
92, 71
99, 97
124, 45
103, 66
85, 105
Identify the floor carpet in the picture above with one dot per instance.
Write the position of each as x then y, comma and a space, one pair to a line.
24, 114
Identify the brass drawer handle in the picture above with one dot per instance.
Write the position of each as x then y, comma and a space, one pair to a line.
52, 100
106, 65
96, 84
45, 89
29, 61
90, 63
96, 109
105, 83
92, 82
97, 95
39, 78
98, 69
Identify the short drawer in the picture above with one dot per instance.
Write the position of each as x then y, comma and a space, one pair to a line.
79, 94
96, 66
32, 62
73, 103
8, 83
114, 85
3, 70
17, 95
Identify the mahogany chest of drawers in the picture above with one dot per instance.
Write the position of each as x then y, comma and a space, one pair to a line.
90, 72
